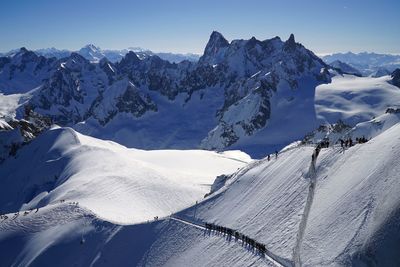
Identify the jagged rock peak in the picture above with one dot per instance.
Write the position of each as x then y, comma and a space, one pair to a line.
131, 57
128, 61
290, 43
291, 39
218, 39
215, 45
26, 55
23, 50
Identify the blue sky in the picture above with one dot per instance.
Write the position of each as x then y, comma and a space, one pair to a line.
184, 26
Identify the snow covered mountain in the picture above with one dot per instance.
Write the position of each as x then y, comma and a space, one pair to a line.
95, 54
367, 63
346, 204
241, 94
231, 93
380, 72
122, 182
345, 68
24, 71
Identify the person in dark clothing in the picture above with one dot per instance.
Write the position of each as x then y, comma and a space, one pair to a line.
317, 151
276, 154
269, 157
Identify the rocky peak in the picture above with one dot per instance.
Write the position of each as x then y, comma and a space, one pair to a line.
76, 62
290, 43
216, 43
91, 47
130, 59
217, 40
23, 50
344, 68
291, 39
25, 55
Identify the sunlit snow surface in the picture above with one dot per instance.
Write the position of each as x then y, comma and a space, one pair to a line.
355, 99
352, 216
117, 184
353, 219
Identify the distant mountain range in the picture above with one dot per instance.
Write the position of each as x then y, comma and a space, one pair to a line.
95, 54
367, 63
239, 95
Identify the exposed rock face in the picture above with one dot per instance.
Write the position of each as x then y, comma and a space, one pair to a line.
344, 68
250, 73
24, 71
396, 78
330, 132
21, 131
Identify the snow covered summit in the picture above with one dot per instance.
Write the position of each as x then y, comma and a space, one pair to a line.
116, 183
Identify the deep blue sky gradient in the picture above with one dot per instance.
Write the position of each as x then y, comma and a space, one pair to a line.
324, 26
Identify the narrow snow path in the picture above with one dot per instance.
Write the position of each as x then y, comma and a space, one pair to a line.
303, 223
189, 223
268, 254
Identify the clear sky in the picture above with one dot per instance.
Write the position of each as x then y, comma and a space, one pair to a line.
324, 26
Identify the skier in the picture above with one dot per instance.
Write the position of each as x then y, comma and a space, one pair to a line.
276, 154
269, 157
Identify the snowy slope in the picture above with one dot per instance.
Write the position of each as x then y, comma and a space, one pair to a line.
176, 124
107, 178
292, 112
152, 244
351, 214
351, 217
355, 203
355, 99
10, 103
264, 201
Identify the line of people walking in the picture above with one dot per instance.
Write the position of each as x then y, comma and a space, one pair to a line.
349, 142
238, 236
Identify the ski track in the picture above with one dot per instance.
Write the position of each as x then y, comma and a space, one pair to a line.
303, 223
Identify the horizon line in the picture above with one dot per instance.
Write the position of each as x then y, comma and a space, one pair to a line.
130, 48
